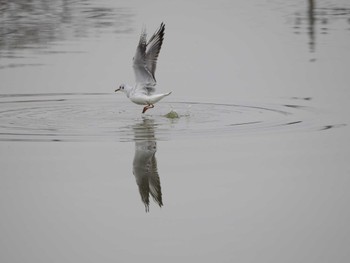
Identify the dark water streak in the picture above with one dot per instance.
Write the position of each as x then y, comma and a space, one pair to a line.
38, 25
318, 20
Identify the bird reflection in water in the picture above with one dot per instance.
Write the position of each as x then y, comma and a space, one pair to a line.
145, 163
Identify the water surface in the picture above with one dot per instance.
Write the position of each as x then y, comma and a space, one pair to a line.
104, 117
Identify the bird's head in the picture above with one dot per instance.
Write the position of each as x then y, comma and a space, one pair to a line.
121, 88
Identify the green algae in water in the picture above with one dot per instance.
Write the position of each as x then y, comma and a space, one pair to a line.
172, 115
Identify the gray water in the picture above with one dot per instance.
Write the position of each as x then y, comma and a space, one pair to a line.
255, 169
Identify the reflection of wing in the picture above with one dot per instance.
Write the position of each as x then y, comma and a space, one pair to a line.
147, 177
145, 164
145, 59
154, 182
146, 172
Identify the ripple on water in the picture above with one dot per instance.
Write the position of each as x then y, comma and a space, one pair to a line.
107, 117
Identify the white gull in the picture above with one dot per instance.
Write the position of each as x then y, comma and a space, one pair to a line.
144, 64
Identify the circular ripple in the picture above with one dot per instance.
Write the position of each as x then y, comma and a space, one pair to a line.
108, 117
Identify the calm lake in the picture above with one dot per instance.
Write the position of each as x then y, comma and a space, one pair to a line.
255, 168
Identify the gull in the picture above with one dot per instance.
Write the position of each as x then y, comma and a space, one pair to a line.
144, 64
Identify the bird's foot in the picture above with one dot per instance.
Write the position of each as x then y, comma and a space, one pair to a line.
150, 106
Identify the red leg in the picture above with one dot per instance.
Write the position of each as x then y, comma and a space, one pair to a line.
150, 106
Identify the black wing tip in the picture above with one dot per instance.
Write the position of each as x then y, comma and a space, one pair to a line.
160, 33
161, 29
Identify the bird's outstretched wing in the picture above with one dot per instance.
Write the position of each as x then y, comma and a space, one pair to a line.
145, 59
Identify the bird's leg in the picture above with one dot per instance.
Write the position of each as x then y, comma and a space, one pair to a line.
149, 106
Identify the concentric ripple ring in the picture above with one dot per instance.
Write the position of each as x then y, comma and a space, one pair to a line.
107, 117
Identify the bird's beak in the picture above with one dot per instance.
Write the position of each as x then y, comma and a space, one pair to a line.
117, 90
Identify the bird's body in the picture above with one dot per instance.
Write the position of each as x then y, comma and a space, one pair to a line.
144, 64
142, 98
